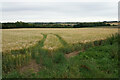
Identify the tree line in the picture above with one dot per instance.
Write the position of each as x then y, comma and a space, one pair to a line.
51, 25
95, 24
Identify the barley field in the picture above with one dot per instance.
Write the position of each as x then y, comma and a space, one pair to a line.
60, 53
15, 39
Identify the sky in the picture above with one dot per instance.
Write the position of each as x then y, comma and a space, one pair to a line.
58, 11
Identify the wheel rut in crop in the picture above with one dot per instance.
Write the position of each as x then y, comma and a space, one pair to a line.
33, 64
63, 42
72, 54
41, 43
65, 45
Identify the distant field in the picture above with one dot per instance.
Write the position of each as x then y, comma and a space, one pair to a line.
13, 39
115, 23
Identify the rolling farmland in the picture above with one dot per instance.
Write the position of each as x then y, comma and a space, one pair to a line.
60, 53
21, 38
59, 39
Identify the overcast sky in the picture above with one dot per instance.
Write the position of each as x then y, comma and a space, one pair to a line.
56, 11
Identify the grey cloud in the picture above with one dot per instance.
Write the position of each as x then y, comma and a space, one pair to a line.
62, 9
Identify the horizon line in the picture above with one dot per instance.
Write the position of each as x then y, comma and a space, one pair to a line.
55, 21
